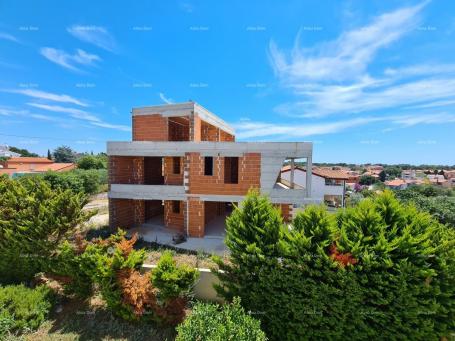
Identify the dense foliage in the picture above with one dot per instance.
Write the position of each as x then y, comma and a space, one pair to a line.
92, 162
209, 322
439, 202
64, 154
23, 152
34, 221
114, 267
379, 270
23, 309
78, 180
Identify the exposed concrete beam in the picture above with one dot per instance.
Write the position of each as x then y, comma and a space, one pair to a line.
146, 148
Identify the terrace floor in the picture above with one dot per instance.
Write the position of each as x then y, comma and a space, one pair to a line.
213, 242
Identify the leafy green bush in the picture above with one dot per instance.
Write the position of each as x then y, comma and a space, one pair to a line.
22, 308
212, 322
379, 270
439, 202
34, 221
92, 162
78, 180
172, 280
114, 267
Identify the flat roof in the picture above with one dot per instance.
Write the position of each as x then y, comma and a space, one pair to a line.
184, 109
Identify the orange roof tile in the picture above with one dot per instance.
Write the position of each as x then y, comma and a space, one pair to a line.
29, 160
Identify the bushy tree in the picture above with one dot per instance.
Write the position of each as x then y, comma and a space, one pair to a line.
367, 180
379, 270
91, 162
23, 152
64, 154
209, 322
34, 221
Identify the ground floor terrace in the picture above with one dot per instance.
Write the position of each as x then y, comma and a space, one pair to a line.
190, 224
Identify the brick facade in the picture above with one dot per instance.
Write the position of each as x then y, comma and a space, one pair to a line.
150, 128
174, 220
196, 220
170, 177
249, 170
228, 175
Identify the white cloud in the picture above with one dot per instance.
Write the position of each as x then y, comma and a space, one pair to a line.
81, 115
47, 96
347, 57
7, 36
246, 129
333, 77
76, 113
112, 126
165, 99
69, 61
95, 35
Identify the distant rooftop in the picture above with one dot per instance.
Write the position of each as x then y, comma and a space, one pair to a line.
184, 109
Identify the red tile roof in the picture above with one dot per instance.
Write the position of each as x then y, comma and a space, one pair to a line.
29, 160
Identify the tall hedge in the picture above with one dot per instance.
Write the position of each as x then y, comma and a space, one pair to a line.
34, 221
379, 270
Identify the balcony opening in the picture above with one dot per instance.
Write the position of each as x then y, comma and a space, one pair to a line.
154, 212
178, 129
215, 214
176, 165
231, 170
208, 165
176, 206
153, 171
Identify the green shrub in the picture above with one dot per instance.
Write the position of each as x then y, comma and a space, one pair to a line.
379, 270
78, 180
114, 267
212, 322
172, 280
92, 162
23, 309
34, 221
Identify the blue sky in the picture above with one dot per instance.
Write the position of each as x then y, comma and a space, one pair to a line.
366, 81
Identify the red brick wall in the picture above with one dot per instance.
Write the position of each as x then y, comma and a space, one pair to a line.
286, 212
249, 175
121, 213
209, 132
126, 170
226, 137
169, 177
150, 128
174, 220
178, 131
195, 128
196, 213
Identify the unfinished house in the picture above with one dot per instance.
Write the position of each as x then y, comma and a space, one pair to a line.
183, 170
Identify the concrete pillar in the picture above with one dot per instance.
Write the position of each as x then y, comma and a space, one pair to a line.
292, 173
309, 168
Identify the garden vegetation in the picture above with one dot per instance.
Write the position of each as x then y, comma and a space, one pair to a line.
380, 270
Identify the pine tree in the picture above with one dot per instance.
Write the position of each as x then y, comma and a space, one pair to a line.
49, 155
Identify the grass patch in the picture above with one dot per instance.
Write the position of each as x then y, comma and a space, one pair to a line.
89, 320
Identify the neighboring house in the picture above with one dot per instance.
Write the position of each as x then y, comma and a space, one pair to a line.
327, 185
17, 166
408, 174
5, 152
184, 170
438, 180
396, 184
